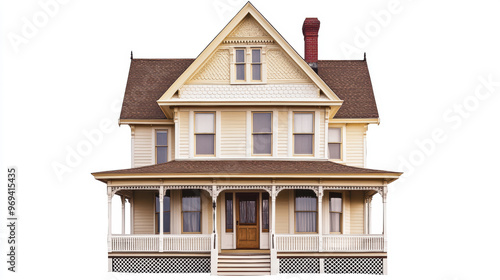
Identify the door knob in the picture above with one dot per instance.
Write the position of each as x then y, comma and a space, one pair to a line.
237, 222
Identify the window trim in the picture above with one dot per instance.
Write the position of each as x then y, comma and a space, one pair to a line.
156, 143
214, 134
251, 63
341, 213
312, 133
201, 216
157, 226
295, 216
341, 143
262, 133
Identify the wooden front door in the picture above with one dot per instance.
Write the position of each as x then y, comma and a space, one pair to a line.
247, 221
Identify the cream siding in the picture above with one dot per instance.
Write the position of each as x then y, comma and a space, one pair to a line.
282, 134
144, 212
357, 211
143, 146
282, 213
183, 144
233, 134
321, 152
355, 146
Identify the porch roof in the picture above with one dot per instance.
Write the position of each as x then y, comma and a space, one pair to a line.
216, 168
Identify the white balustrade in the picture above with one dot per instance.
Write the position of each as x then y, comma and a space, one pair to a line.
297, 242
354, 243
331, 243
151, 243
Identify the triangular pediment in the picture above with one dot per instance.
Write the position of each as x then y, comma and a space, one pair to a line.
281, 63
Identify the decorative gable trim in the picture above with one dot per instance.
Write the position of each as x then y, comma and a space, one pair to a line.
247, 10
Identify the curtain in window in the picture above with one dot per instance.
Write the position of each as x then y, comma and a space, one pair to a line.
191, 211
247, 212
303, 123
305, 211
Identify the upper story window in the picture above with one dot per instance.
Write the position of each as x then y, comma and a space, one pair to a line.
262, 132
247, 65
303, 133
161, 146
204, 131
335, 143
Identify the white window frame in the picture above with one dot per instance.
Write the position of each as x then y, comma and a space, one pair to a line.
297, 133
214, 134
257, 133
170, 151
248, 65
343, 145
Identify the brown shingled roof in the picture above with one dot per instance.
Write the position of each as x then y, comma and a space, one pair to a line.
230, 167
149, 79
350, 80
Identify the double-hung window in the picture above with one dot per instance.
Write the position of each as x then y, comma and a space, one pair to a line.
191, 211
262, 133
335, 212
248, 68
161, 146
166, 213
205, 133
335, 143
303, 133
306, 211
229, 212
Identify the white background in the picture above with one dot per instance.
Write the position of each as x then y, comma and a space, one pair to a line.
69, 75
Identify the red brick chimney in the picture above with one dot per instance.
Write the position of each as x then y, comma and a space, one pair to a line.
310, 30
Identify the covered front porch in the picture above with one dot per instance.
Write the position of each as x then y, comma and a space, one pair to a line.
206, 223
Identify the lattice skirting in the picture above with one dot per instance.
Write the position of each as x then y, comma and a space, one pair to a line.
354, 265
161, 265
299, 265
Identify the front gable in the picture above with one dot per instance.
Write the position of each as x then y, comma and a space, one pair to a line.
227, 67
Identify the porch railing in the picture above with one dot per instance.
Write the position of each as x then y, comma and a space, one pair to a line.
151, 243
330, 243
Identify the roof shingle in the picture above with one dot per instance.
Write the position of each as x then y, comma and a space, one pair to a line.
149, 79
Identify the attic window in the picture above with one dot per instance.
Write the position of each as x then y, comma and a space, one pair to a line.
247, 66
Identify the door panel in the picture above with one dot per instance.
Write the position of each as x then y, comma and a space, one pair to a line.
247, 221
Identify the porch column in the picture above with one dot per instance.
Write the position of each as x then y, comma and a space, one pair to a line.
123, 213
384, 202
160, 227
369, 228
272, 245
131, 201
320, 218
110, 196
214, 250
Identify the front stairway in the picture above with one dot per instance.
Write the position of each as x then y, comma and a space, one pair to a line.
241, 264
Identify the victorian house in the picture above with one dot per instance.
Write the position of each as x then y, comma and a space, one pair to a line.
248, 160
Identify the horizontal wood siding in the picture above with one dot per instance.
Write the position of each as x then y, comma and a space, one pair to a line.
143, 146
357, 224
144, 212
282, 225
183, 146
355, 149
233, 134
321, 134
282, 134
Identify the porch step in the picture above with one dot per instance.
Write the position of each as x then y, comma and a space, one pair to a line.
244, 264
